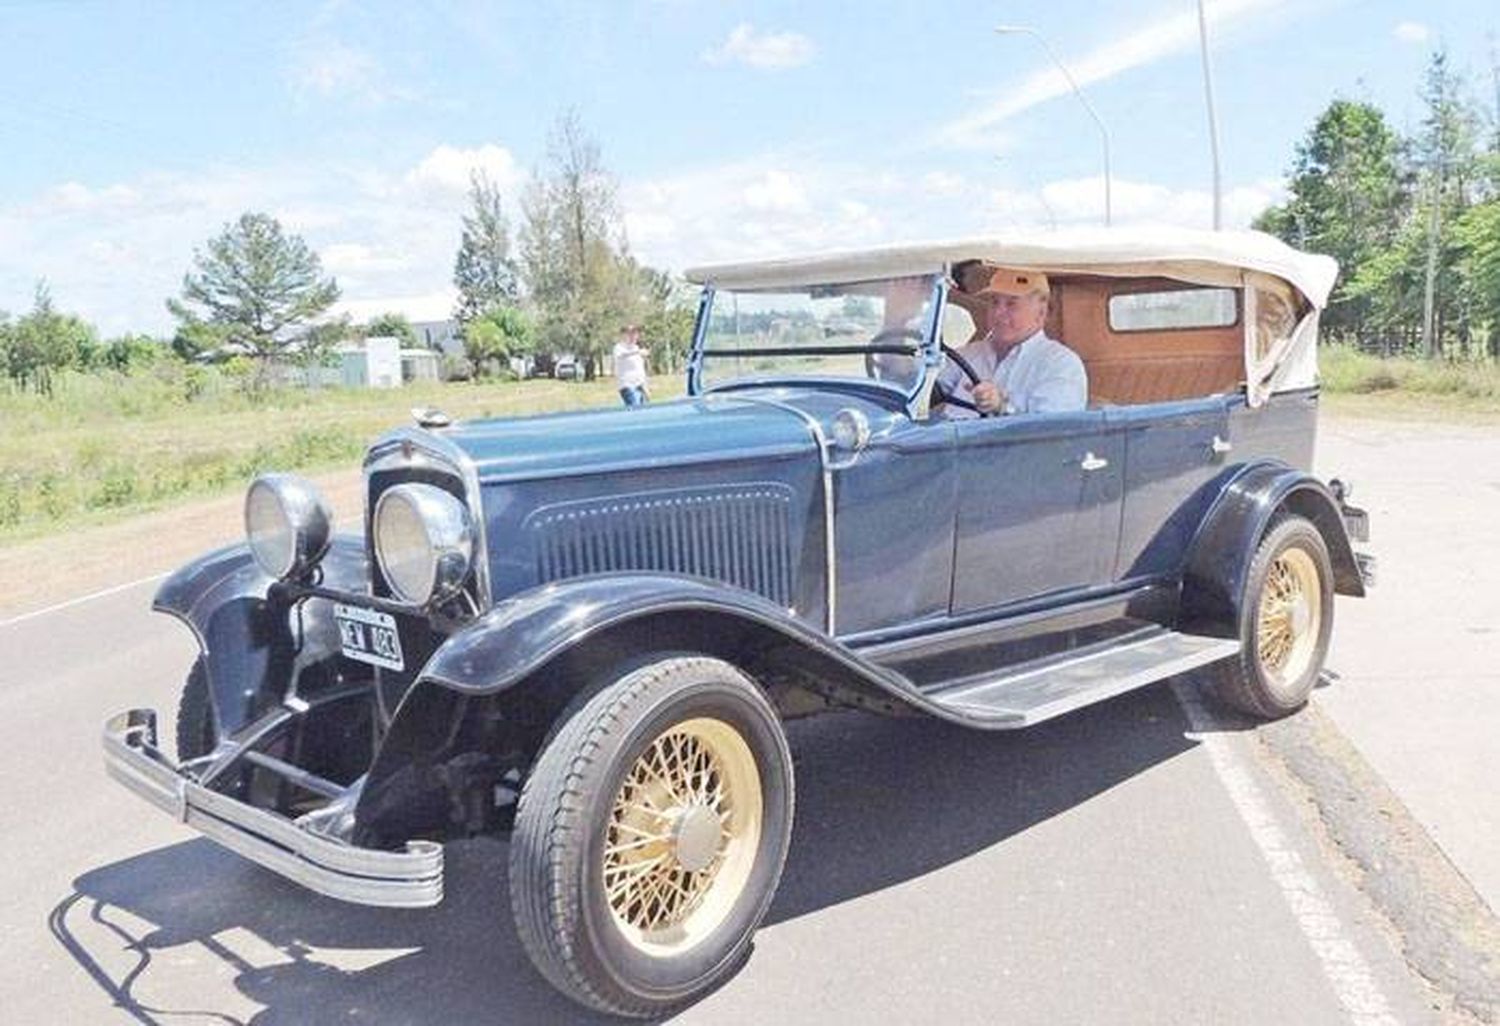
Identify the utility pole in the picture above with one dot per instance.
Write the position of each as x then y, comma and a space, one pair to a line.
1213, 118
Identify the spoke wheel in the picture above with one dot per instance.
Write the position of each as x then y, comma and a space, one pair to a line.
650, 836
682, 836
1286, 619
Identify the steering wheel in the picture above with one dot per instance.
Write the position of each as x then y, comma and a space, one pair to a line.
886, 336
941, 395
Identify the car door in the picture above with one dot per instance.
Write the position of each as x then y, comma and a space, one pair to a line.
1038, 507
1176, 454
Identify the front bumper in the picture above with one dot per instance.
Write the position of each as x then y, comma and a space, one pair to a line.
401, 879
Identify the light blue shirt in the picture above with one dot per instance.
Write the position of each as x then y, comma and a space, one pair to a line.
1039, 375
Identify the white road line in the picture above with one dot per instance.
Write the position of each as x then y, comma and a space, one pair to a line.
1345, 968
79, 601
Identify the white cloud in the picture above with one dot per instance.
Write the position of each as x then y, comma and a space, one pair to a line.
764, 50
327, 69
449, 167
1150, 43
1412, 32
776, 190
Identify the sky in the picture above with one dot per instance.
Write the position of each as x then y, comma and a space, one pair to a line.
131, 132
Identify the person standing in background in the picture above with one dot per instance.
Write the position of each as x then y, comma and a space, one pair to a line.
630, 367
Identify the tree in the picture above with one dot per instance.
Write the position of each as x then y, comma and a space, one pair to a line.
1347, 199
497, 335
1446, 149
668, 312
484, 272
44, 342
391, 325
573, 250
255, 284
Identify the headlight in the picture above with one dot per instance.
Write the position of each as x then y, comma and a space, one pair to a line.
424, 541
287, 523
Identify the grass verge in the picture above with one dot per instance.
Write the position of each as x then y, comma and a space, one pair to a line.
104, 447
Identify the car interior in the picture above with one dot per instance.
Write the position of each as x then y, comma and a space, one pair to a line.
1142, 340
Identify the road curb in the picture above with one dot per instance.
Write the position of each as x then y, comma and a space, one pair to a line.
1447, 932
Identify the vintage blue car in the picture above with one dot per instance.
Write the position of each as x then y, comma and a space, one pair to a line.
587, 629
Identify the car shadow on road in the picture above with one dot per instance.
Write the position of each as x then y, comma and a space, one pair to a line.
879, 802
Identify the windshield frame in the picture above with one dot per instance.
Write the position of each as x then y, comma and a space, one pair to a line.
928, 352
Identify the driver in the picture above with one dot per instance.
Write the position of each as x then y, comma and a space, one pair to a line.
1020, 369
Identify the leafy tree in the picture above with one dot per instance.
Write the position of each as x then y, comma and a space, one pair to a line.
44, 342
196, 340
668, 311
316, 346
128, 352
1347, 199
255, 283
1447, 151
573, 250
484, 272
391, 325
497, 335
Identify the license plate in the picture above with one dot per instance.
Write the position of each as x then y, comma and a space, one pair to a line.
369, 636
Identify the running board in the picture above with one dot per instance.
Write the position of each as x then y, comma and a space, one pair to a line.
1030, 693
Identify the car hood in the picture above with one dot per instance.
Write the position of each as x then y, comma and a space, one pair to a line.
711, 429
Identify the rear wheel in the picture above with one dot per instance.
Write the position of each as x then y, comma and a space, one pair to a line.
1286, 619
650, 836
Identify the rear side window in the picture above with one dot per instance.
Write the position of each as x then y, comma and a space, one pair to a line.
1173, 308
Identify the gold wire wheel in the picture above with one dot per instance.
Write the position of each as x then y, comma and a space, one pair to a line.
682, 836
1290, 616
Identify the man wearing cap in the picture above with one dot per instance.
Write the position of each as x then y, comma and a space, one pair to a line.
1020, 369
630, 367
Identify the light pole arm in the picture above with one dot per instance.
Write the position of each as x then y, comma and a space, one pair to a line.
1072, 84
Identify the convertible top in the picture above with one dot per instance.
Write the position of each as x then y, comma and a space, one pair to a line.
1184, 254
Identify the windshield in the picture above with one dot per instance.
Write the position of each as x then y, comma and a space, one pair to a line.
868, 330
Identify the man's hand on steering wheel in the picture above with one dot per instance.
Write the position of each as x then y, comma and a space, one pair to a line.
941, 395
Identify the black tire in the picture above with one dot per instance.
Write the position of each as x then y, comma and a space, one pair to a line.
195, 716
569, 822
1260, 681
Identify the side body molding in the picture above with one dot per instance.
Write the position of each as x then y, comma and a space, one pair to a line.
1219, 560
250, 652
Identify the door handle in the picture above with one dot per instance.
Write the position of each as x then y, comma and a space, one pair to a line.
1090, 462
1219, 446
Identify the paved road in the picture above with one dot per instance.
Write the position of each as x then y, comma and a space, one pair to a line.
1419, 687
1094, 869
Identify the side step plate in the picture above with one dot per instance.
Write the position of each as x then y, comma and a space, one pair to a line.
1028, 694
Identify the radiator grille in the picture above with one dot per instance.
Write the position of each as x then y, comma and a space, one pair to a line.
740, 535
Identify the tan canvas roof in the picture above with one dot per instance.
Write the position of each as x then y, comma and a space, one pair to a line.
1204, 257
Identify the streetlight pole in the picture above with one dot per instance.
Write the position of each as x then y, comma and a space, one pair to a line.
1010, 30
1213, 118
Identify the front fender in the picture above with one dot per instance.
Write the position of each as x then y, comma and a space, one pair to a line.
250, 648
1219, 561
520, 634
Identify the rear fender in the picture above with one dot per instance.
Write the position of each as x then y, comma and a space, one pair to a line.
253, 643
1219, 561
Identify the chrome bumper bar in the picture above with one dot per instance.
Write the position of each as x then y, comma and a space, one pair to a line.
401, 879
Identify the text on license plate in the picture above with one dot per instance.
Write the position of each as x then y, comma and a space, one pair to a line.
369, 636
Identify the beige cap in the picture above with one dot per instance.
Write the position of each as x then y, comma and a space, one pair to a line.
1007, 281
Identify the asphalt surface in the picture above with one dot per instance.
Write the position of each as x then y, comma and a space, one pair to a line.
1092, 869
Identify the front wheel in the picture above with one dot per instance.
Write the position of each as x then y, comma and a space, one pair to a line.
1286, 619
650, 836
